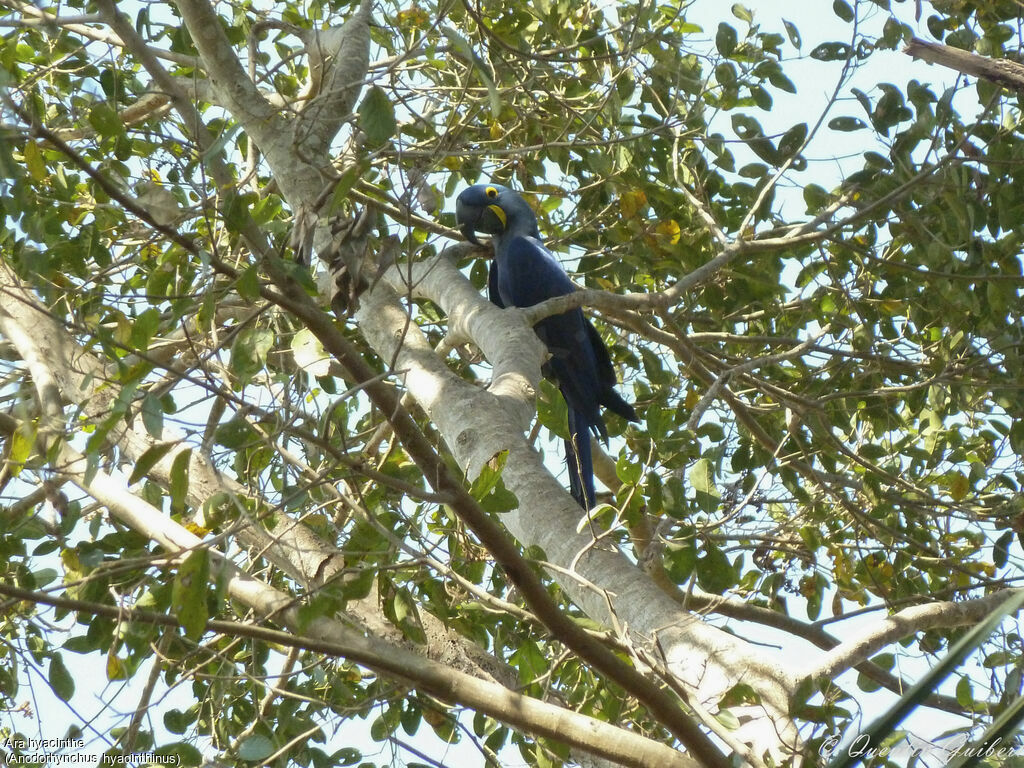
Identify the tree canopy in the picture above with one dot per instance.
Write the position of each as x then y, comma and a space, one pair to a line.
266, 441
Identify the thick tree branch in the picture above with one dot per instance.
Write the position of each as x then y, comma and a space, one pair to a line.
904, 623
475, 429
333, 637
339, 58
1004, 72
384, 321
293, 297
86, 382
149, 521
236, 92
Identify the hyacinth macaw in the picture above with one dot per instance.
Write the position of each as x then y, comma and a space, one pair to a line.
525, 273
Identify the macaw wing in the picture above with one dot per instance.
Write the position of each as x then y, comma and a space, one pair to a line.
492, 285
528, 274
609, 397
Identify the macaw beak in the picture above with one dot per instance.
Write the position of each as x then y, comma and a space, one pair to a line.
489, 219
466, 216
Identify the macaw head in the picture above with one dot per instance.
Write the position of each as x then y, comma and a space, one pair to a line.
491, 209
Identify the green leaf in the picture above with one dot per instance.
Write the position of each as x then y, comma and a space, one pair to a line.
742, 13
148, 460
793, 33
846, 124
220, 142
529, 660
832, 51
346, 756
726, 39
105, 120
343, 186
781, 82
184, 753
188, 593
60, 678
179, 480
490, 490
749, 129
728, 719
843, 10
815, 197
248, 283
249, 352
178, 722
255, 748
792, 140
34, 161
715, 573
377, 117
680, 560
383, 726
1001, 549
702, 479
627, 470
152, 412
866, 684
144, 327
964, 692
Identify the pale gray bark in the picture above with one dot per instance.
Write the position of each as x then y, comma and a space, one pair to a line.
1009, 74
906, 623
62, 371
477, 424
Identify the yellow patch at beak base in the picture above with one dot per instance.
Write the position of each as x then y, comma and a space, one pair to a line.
497, 211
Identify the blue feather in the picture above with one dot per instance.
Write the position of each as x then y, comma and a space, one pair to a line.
524, 272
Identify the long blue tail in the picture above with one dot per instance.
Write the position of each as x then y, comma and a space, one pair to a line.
579, 460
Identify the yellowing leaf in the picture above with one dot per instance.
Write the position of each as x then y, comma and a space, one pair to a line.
958, 486
34, 161
123, 333
632, 203
69, 559
692, 398
309, 353
412, 17
496, 130
22, 442
669, 229
116, 668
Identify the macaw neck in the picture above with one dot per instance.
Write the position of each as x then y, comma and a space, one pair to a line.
518, 226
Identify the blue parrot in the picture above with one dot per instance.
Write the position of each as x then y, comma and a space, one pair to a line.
525, 273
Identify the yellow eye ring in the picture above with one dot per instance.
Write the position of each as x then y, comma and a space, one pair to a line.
491, 192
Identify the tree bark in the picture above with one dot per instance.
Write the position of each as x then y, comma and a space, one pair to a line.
1008, 74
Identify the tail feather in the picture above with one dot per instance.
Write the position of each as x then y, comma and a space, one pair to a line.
579, 460
613, 401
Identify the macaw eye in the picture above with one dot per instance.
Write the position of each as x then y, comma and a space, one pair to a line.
491, 192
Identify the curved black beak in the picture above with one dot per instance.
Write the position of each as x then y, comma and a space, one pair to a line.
467, 216
472, 218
